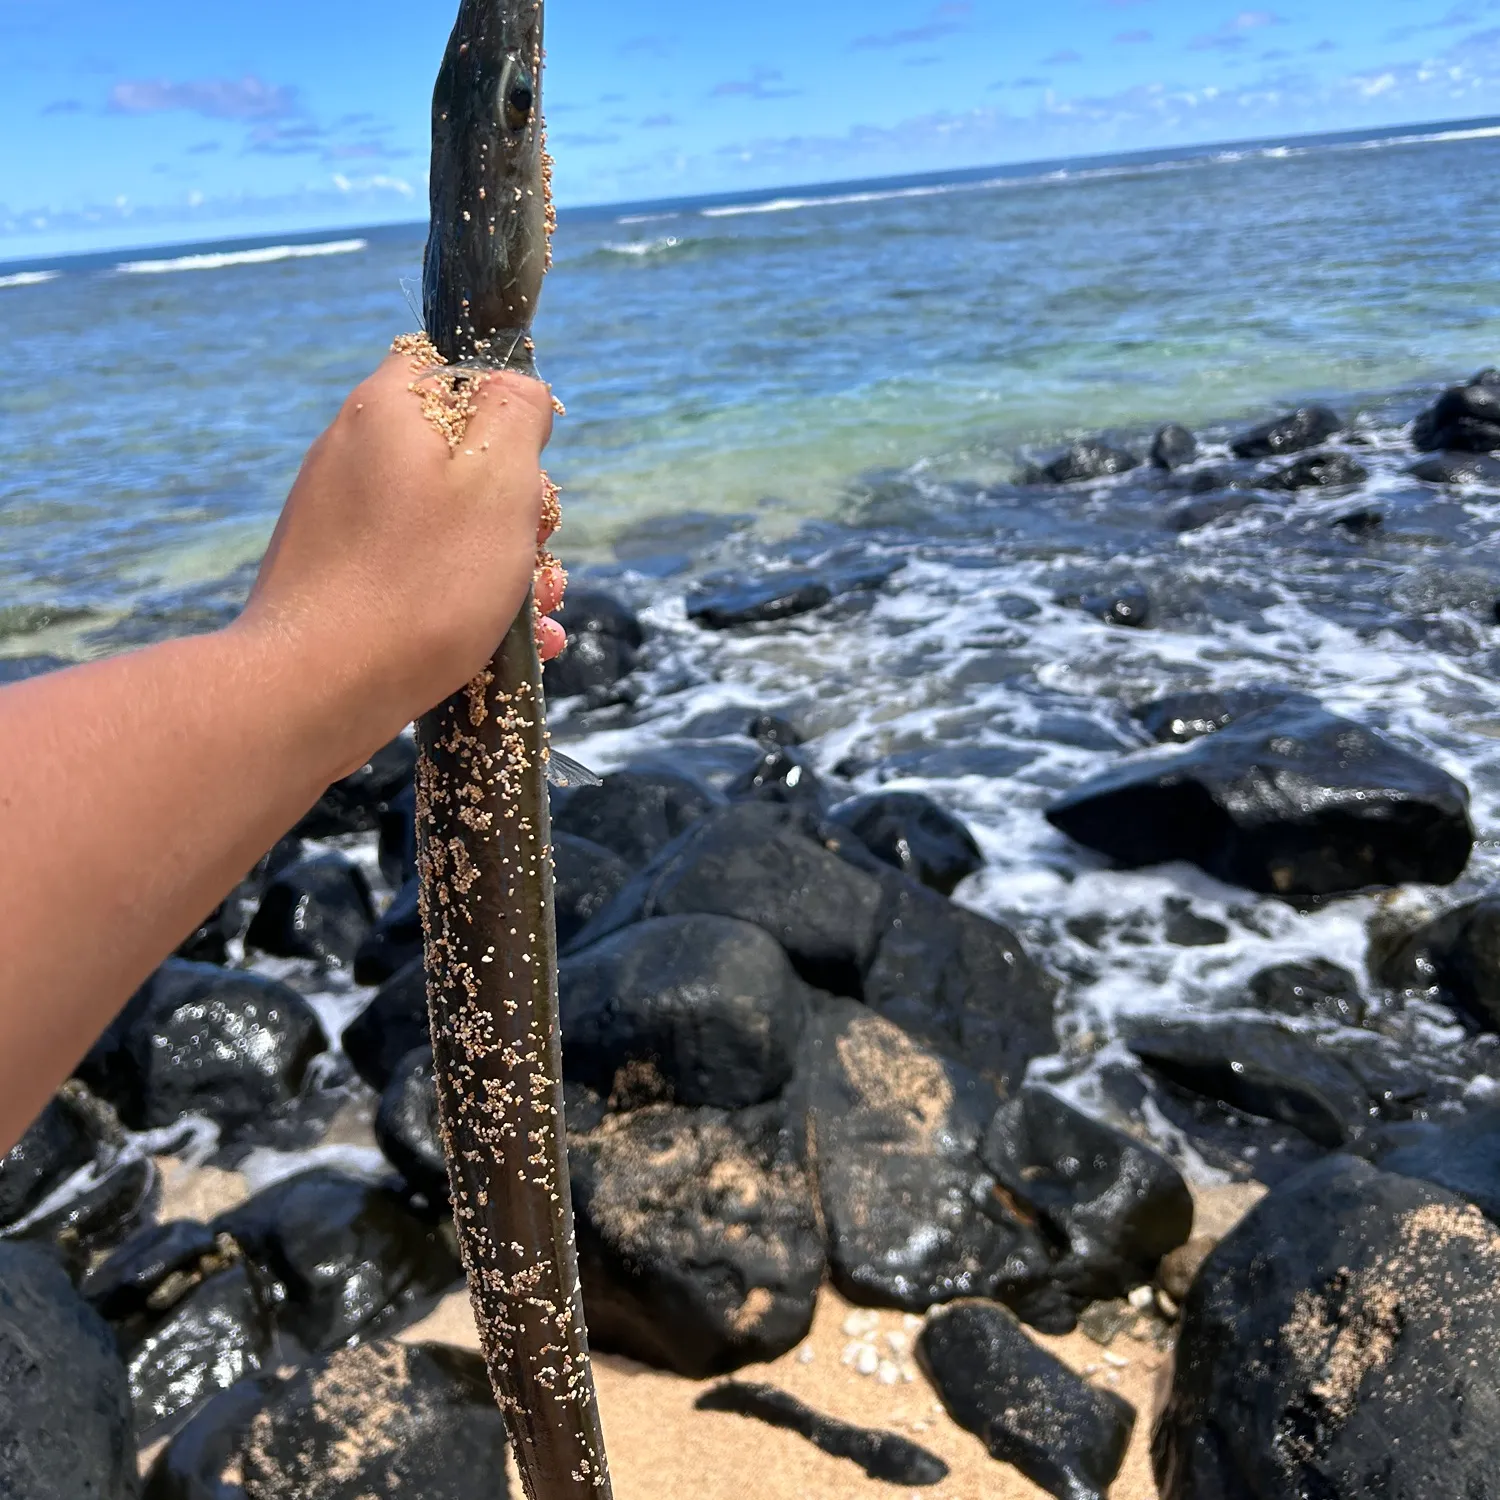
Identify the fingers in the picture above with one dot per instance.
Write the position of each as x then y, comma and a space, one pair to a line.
510, 410
551, 583
550, 638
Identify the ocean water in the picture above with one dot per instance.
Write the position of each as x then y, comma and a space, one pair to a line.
857, 372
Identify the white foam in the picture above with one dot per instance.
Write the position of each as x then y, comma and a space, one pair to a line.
217, 260
647, 218
29, 278
640, 249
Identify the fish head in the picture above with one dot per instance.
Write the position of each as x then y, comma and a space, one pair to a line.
487, 247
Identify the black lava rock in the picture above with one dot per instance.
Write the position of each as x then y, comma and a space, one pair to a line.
356, 804
770, 729
1186, 928
121, 1286
1086, 459
1125, 604
689, 1010
723, 604
350, 1257
1193, 515
381, 1419
220, 1332
698, 1240
604, 642
1461, 1155
635, 814
1291, 801
226, 1044
1262, 1069
912, 833
398, 838
111, 1203
393, 1024
394, 941
1457, 468
1334, 1346
1027, 1407
587, 878
1455, 959
317, 908
57, 1144
1464, 417
1173, 447
65, 1414
1304, 428
406, 1126
882, 1455
1323, 471
1116, 1205
1181, 717
1315, 988
192, 1466
780, 775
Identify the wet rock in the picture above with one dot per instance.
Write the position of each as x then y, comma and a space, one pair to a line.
196, 1038
350, 1257
318, 908
635, 814
708, 1007
100, 1209
1304, 428
1455, 959
121, 1286
1290, 801
1173, 446
393, 1024
1314, 988
1262, 1069
912, 833
65, 1413
698, 1240
19, 668
911, 1213
780, 775
1181, 717
57, 1144
1324, 471
1457, 468
604, 642
1462, 1156
1185, 928
1193, 515
1360, 523
723, 604
209, 942
220, 1332
1179, 1269
1113, 1205
1331, 1346
381, 1419
406, 1126
1464, 417
1086, 459
587, 878
882, 1455
398, 839
356, 804
770, 729
193, 1465
1026, 1406
1125, 604
394, 941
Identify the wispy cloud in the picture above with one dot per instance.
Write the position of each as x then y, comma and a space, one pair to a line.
659, 122
763, 83
648, 46
943, 20
1133, 38
248, 98
63, 107
1062, 59
1235, 32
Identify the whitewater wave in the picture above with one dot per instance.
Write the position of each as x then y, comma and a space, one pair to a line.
217, 260
640, 249
29, 278
646, 218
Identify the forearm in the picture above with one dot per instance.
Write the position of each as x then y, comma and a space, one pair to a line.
137, 792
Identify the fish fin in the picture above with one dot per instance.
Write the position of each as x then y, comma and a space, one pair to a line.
564, 771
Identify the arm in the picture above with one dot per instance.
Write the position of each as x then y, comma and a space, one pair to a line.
139, 790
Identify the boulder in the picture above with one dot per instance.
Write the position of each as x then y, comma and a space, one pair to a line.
1026, 1406
634, 814
318, 908
196, 1038
101, 1208
1088, 458
1185, 928
780, 775
882, 1455
1111, 1206
1317, 988
1260, 1068
407, 1130
1173, 446
724, 603
56, 1144
1181, 717
1323, 471
1455, 960
1194, 515
382, 1419
1290, 801
392, 1025
1307, 427
604, 641
1461, 1156
913, 834
196, 1463
394, 941
698, 1240
690, 1010
1457, 468
587, 878
65, 1413
1337, 1345
1119, 604
398, 839
122, 1286
357, 803
350, 1257
1464, 417
773, 730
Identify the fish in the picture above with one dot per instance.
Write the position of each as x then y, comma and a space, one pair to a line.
483, 827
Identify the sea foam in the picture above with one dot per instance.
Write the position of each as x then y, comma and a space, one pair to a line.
217, 260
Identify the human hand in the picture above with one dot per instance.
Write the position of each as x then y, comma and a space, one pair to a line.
399, 563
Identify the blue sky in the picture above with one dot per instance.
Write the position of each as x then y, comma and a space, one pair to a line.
133, 123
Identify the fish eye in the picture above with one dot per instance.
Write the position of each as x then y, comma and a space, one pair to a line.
517, 97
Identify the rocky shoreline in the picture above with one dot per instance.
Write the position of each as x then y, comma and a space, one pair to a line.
805, 1071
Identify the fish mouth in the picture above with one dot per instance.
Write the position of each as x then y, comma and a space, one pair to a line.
487, 247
